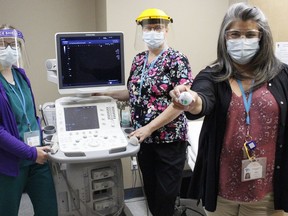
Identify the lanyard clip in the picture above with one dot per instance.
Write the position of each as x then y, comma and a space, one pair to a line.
249, 146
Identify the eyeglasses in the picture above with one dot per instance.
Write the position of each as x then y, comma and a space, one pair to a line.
157, 28
236, 34
14, 45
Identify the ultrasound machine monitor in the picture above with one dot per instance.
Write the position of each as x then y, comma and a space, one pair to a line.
90, 62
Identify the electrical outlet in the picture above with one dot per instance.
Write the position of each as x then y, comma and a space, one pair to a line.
134, 164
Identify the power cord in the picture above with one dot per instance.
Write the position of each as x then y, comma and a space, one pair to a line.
42, 115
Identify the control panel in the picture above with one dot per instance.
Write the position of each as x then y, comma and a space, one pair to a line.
88, 124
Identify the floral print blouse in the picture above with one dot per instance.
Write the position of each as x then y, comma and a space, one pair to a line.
149, 92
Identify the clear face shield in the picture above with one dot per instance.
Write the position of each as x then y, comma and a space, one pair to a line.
153, 34
12, 49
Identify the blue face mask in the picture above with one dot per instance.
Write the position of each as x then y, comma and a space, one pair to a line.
242, 50
153, 39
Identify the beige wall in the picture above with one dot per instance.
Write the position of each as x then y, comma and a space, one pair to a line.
276, 12
196, 25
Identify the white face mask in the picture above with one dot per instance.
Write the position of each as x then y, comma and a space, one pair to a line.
242, 50
8, 57
153, 39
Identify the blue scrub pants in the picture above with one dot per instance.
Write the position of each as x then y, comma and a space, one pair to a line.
36, 180
162, 167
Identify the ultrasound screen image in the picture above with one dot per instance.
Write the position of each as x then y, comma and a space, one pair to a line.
81, 118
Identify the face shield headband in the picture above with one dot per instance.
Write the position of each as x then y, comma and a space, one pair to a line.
11, 33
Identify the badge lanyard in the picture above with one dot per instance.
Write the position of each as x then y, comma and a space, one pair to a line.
252, 168
145, 72
22, 101
249, 143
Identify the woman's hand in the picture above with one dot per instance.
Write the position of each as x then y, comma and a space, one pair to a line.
42, 155
141, 133
194, 107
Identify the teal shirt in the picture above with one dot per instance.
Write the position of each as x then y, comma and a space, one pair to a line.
17, 107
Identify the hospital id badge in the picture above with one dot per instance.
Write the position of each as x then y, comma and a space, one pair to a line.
252, 170
32, 138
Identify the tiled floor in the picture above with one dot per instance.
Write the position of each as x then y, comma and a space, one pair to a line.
26, 208
187, 207
136, 206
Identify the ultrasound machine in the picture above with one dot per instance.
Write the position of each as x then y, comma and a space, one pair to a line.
86, 138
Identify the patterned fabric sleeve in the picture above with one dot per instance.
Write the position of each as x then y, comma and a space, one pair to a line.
180, 69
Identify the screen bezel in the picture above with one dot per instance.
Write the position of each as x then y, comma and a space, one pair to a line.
81, 90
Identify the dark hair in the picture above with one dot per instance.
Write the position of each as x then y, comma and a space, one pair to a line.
264, 66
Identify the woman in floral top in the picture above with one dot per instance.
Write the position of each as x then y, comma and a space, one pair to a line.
161, 129
151, 98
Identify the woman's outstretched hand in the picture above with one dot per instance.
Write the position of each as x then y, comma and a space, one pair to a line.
195, 106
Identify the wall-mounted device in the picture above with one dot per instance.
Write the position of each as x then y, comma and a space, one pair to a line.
49, 114
51, 67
